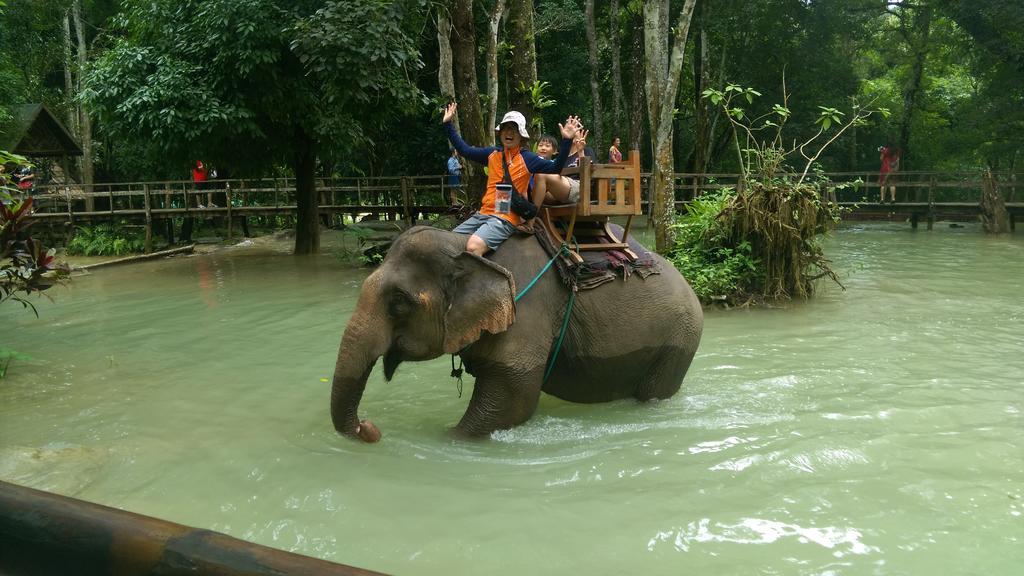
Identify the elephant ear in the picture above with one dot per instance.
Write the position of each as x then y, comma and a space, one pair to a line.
482, 301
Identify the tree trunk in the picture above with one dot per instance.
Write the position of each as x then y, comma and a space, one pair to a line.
492, 63
307, 225
702, 81
994, 217
597, 141
445, 76
523, 71
83, 113
467, 93
663, 69
919, 43
636, 106
618, 101
69, 87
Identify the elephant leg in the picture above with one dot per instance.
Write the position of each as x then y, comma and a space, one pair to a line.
503, 397
665, 376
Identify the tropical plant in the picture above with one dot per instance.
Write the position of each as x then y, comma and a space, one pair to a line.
536, 93
26, 267
105, 240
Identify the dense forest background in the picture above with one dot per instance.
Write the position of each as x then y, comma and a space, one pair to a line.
242, 84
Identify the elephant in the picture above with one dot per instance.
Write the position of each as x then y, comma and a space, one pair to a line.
630, 338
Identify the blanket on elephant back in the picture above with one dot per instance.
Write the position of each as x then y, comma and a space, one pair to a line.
598, 266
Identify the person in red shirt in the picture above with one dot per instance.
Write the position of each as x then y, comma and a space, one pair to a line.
890, 159
494, 223
199, 172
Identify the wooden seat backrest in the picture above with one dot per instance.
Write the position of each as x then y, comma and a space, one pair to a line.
609, 189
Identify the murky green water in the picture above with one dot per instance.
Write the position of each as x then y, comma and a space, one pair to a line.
873, 431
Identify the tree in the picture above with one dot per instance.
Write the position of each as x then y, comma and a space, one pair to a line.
618, 101
494, 22
523, 71
252, 83
83, 121
595, 76
467, 92
663, 69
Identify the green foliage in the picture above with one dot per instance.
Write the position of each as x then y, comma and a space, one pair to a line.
7, 356
537, 93
762, 148
365, 249
238, 82
104, 240
26, 266
716, 269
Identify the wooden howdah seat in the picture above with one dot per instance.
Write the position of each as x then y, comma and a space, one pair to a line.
605, 190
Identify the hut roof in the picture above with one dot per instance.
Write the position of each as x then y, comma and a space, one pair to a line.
35, 131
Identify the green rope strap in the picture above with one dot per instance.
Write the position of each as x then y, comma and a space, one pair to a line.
547, 266
564, 249
558, 345
457, 372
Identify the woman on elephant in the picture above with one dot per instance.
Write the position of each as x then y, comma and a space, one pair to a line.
489, 227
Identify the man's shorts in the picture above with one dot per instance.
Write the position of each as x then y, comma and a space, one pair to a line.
491, 229
574, 190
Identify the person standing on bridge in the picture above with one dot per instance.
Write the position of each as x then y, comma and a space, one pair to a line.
614, 154
454, 169
199, 176
890, 159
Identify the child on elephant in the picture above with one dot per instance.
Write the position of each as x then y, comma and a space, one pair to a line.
489, 227
556, 188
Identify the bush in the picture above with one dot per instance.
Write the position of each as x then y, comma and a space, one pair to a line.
715, 268
104, 240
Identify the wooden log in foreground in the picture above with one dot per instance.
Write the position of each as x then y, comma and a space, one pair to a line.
44, 533
140, 257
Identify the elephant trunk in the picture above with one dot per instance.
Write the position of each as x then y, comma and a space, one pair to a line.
365, 340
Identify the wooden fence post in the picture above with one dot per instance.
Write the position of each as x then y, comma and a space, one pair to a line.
227, 199
148, 247
931, 202
407, 212
70, 232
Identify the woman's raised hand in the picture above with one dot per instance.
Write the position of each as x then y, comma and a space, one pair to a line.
449, 112
571, 127
581, 137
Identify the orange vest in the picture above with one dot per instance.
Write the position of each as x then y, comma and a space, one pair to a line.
496, 174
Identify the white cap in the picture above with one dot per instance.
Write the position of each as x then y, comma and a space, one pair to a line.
518, 119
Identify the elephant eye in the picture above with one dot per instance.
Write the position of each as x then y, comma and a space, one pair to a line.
399, 305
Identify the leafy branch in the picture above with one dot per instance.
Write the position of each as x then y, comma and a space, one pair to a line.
764, 156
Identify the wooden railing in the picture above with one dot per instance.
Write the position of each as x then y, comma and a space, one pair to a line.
915, 186
406, 197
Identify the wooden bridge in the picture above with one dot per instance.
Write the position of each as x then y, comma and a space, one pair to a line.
920, 196
927, 196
